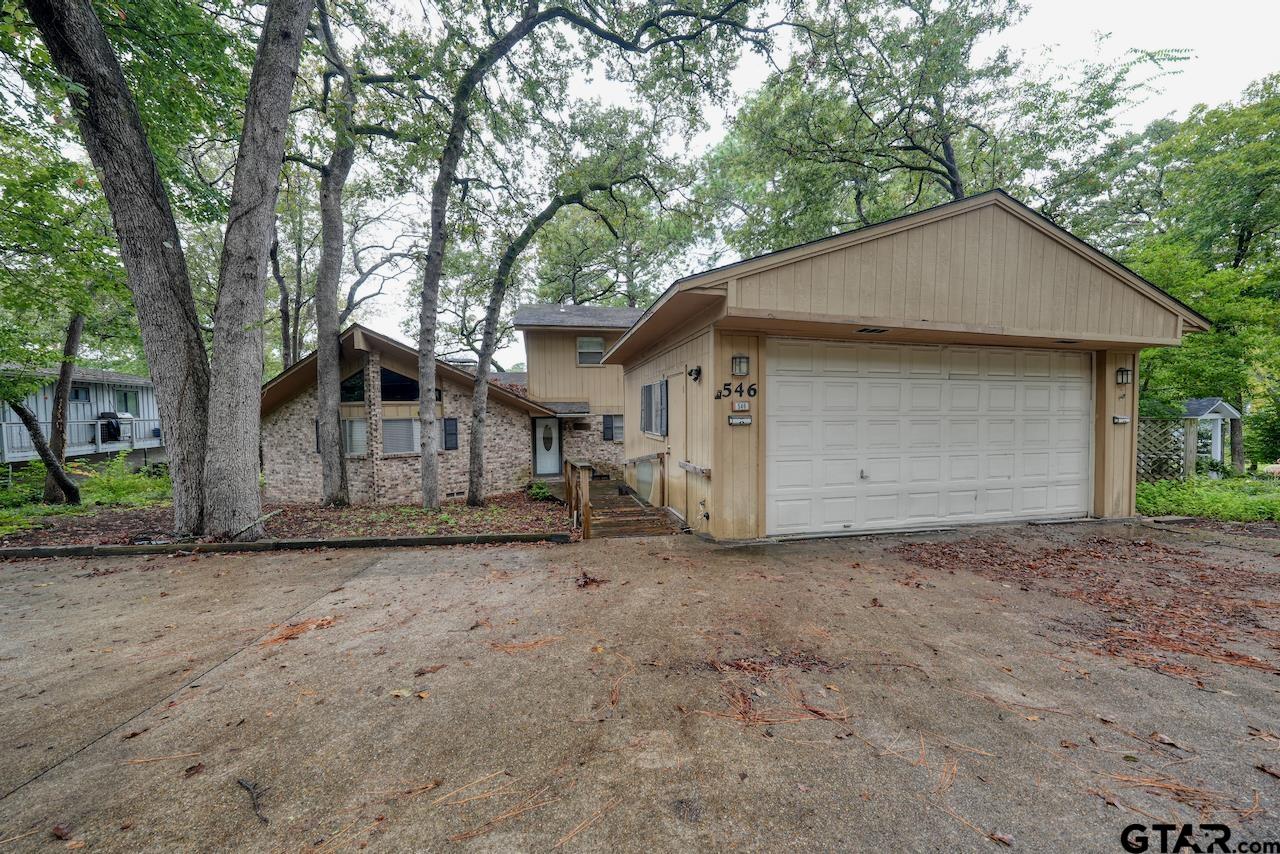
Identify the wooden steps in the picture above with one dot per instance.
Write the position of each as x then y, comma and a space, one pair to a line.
615, 512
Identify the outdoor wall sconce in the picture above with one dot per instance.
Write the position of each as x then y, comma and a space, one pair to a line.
1124, 376
695, 373
740, 365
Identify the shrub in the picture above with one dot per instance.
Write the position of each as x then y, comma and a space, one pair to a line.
539, 491
1262, 433
23, 485
1237, 499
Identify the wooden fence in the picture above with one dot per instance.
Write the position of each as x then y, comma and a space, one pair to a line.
1166, 448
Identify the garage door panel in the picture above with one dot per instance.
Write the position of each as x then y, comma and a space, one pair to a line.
878, 436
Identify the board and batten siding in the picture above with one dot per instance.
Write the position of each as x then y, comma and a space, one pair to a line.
693, 441
555, 375
983, 270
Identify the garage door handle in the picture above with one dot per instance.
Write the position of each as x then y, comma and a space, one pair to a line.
862, 473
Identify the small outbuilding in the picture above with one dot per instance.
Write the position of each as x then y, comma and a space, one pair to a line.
970, 362
1212, 415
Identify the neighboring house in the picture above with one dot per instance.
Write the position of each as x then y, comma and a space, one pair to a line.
970, 362
564, 349
381, 429
1211, 415
108, 412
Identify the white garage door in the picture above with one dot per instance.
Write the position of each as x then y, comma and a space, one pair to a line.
866, 436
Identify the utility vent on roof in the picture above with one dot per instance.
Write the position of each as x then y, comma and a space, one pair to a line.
872, 330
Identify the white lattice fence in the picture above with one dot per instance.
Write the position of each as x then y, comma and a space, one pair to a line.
1163, 448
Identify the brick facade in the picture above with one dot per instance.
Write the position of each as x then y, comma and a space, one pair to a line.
291, 465
582, 437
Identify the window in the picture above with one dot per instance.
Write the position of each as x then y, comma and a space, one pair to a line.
352, 388
80, 393
398, 387
590, 351
613, 428
355, 436
400, 436
127, 400
449, 434
439, 395
653, 408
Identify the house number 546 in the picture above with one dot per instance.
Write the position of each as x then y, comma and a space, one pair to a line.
727, 390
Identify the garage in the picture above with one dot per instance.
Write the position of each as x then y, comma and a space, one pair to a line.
866, 436
968, 363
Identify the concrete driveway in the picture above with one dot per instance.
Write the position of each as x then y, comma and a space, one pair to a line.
1034, 687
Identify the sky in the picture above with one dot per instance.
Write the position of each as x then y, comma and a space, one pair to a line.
1232, 44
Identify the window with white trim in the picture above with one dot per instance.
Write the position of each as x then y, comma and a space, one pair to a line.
80, 393
590, 350
653, 408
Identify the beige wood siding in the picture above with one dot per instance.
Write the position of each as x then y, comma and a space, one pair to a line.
692, 437
555, 375
984, 270
1115, 445
739, 459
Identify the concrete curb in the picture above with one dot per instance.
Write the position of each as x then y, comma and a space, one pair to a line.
282, 545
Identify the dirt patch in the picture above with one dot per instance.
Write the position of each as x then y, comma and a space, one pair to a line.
1261, 530
1158, 606
504, 514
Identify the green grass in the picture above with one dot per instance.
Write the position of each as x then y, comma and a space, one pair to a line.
1237, 499
111, 483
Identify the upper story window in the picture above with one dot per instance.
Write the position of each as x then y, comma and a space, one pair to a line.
398, 387
590, 350
352, 388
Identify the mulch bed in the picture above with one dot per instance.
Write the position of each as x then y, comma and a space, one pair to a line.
1167, 609
504, 514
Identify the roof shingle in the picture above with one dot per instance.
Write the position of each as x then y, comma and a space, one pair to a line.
576, 316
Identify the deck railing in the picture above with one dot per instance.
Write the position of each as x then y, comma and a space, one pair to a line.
83, 437
577, 494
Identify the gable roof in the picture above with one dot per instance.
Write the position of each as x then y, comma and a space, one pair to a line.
301, 375
1199, 407
562, 316
80, 373
696, 290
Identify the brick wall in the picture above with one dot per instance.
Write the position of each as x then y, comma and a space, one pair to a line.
291, 466
589, 444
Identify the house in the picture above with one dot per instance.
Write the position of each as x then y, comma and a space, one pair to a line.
108, 412
380, 427
564, 350
1211, 415
970, 362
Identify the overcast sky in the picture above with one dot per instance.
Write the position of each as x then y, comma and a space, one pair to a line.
1232, 43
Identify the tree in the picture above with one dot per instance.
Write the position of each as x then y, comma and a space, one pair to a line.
210, 418
690, 43
889, 106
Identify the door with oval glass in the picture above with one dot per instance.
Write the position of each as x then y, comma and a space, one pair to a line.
546, 446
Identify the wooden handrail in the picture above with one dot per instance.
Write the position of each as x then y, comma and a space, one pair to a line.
577, 494
701, 471
645, 458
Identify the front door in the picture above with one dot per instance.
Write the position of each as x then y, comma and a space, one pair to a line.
546, 446
677, 444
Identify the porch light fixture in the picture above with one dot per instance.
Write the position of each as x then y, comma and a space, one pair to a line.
695, 373
740, 365
1124, 376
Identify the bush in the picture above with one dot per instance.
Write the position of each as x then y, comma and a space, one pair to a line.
1239, 499
1262, 433
539, 491
24, 485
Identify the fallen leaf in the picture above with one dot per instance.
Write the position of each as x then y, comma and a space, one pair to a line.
435, 668
399, 693
1265, 770
76, 843
1160, 738
1002, 838
59, 831
422, 695
1033, 717
192, 770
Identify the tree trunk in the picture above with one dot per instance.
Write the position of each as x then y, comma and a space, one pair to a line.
150, 247
53, 493
1237, 437
59, 474
286, 351
233, 503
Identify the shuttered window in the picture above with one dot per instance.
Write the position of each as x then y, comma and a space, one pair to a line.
449, 434
400, 436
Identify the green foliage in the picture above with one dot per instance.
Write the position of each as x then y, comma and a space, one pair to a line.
1262, 432
1230, 499
111, 483
540, 491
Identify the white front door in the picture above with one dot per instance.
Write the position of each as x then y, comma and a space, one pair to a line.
546, 446
878, 436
